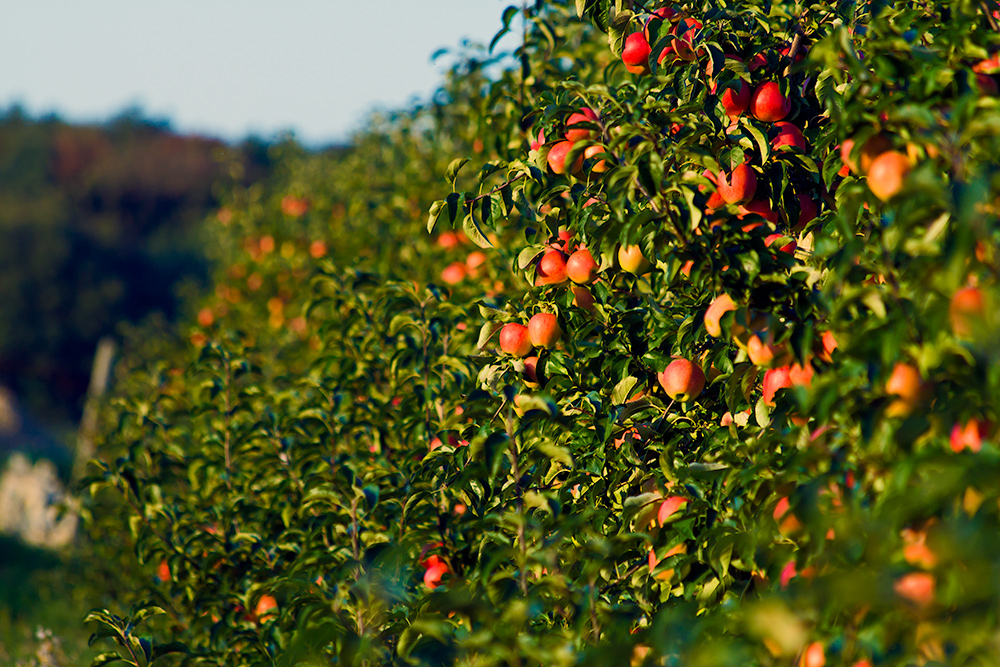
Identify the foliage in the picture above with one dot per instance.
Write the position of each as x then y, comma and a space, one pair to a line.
339, 465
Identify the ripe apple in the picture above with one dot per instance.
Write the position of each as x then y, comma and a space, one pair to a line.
788, 248
887, 174
719, 307
686, 30
631, 259
670, 507
738, 187
454, 273
683, 380
544, 331
775, 379
916, 587
551, 268
966, 310
582, 298
163, 571
585, 115
788, 523
530, 373
814, 656
736, 100
829, 344
538, 142
970, 435
557, 159
514, 340
635, 55
788, 135
436, 569
907, 385
266, 609
590, 152
581, 267
768, 103
765, 354
761, 208
874, 146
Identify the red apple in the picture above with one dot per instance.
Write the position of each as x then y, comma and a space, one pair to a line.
601, 166
581, 267
635, 55
573, 134
788, 135
768, 103
736, 100
557, 159
686, 30
551, 268
544, 331
970, 435
887, 174
514, 340
966, 309
719, 307
683, 380
775, 379
739, 186
906, 384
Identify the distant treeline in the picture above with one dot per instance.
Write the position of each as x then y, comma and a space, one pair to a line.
99, 224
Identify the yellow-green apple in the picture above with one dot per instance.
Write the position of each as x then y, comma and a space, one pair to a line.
514, 339
966, 310
906, 384
768, 103
557, 159
887, 174
631, 259
543, 330
574, 134
739, 186
551, 268
635, 55
682, 379
719, 307
581, 267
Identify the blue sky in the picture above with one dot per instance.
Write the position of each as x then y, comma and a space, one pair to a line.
227, 68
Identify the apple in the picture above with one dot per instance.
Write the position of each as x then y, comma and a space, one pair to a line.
968, 436
788, 135
829, 344
581, 267
454, 273
585, 115
515, 340
631, 259
473, 261
683, 380
601, 166
544, 331
436, 569
765, 354
916, 587
808, 210
736, 100
814, 656
530, 373
670, 507
874, 146
719, 307
788, 523
635, 55
906, 384
686, 30
775, 379
163, 571
966, 309
537, 143
761, 208
738, 187
768, 103
788, 248
887, 174
266, 608
582, 298
557, 159
551, 268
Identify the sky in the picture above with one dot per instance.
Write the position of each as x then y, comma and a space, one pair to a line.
233, 67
